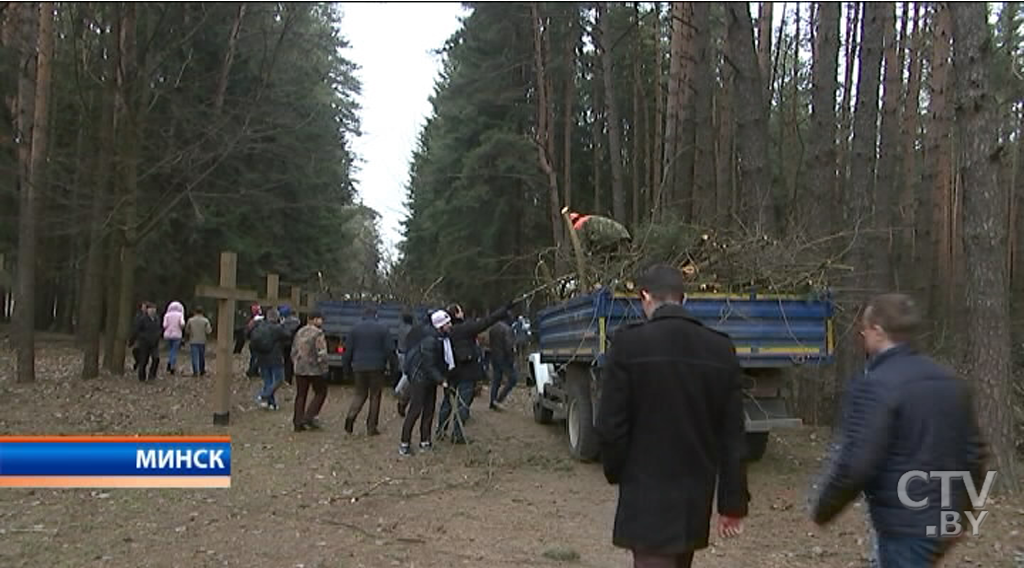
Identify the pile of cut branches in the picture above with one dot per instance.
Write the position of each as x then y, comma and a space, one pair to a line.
714, 261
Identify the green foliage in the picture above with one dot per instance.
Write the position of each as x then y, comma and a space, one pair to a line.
268, 173
476, 193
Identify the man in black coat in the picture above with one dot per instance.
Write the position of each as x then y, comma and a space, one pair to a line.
907, 413
145, 341
670, 423
368, 352
468, 367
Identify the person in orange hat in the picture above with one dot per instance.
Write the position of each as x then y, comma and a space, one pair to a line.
600, 234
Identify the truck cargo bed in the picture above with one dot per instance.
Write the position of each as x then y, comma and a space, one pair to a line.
768, 330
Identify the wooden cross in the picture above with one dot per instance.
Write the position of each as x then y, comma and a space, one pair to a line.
272, 296
226, 295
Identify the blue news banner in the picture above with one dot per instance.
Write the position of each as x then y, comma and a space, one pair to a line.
113, 458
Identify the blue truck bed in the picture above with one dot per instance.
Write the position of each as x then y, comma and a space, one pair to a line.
768, 330
342, 315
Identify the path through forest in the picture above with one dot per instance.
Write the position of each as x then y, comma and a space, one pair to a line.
324, 499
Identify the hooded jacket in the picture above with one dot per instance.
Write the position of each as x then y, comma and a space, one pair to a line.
174, 321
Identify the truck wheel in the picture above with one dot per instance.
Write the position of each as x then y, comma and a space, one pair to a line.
757, 443
580, 416
542, 414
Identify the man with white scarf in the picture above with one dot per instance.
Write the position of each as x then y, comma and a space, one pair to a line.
427, 365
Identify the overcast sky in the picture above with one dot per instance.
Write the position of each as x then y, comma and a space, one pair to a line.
393, 45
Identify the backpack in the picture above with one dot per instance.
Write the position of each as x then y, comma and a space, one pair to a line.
261, 340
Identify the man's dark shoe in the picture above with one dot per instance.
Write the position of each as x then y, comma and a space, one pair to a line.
495, 407
426, 446
313, 424
300, 427
404, 450
349, 424
373, 432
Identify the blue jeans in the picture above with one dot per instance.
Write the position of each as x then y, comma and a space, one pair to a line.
910, 551
198, 351
502, 367
273, 376
464, 390
172, 353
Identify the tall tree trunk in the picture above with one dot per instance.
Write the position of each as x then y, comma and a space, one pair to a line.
659, 117
611, 108
31, 192
887, 180
987, 322
681, 192
865, 132
845, 120
129, 88
765, 15
112, 306
91, 314
703, 114
569, 109
751, 125
634, 127
907, 255
940, 167
545, 142
1017, 235
669, 166
597, 131
725, 168
229, 57
825, 66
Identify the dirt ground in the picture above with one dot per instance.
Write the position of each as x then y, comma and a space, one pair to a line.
326, 499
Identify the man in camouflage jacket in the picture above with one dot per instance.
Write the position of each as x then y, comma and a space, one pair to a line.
309, 358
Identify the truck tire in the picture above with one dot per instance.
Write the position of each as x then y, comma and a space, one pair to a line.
542, 414
757, 443
579, 420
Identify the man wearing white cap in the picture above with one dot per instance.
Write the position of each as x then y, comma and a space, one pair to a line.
427, 365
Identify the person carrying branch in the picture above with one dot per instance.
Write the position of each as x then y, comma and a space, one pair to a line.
468, 368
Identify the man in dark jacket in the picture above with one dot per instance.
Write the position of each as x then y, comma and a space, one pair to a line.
429, 361
145, 341
291, 324
267, 340
408, 335
468, 367
907, 413
670, 423
502, 341
368, 351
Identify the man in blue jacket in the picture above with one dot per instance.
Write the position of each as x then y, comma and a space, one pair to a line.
368, 351
907, 413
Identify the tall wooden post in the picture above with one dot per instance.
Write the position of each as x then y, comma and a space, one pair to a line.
226, 295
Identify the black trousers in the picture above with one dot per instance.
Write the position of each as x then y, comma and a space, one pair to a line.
421, 407
148, 354
644, 560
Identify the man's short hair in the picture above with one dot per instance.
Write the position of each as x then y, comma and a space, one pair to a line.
407, 318
896, 314
199, 310
314, 315
663, 283
273, 314
370, 311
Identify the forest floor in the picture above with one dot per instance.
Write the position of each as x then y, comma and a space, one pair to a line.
327, 499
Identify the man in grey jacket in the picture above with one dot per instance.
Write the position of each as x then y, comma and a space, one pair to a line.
368, 351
